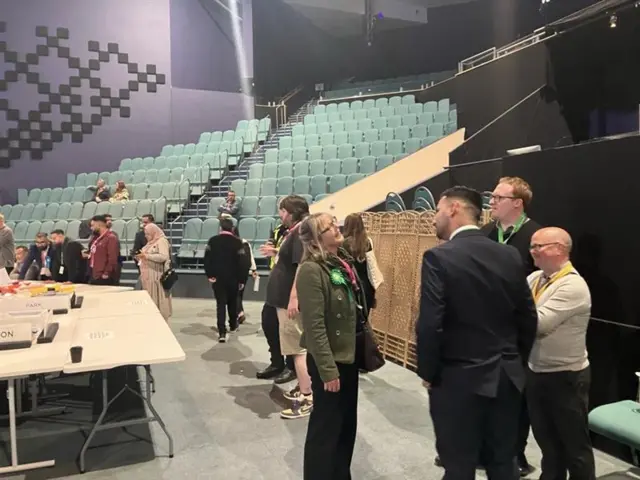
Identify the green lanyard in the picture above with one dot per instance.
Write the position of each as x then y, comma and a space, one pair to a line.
521, 221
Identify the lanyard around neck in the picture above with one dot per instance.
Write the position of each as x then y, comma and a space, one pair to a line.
518, 225
538, 289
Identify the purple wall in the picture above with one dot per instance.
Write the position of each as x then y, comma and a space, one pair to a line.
143, 30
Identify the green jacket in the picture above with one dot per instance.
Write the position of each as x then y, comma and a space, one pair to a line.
328, 319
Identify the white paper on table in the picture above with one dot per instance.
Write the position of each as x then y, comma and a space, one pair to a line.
4, 277
256, 284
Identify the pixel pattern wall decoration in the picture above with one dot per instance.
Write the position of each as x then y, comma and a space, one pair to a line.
33, 130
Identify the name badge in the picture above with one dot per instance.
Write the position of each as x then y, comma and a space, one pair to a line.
61, 270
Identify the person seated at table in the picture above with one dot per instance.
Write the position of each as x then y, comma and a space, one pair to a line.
121, 194
21, 256
101, 192
39, 254
68, 264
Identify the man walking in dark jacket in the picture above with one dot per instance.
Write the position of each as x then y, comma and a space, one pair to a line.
227, 268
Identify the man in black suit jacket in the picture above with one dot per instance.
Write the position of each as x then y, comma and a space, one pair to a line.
226, 267
67, 263
477, 322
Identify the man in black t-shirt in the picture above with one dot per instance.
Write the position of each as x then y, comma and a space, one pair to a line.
282, 294
281, 370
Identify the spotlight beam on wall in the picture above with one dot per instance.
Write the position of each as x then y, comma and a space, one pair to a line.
241, 59
230, 10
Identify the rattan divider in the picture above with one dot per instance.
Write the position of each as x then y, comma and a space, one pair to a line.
400, 240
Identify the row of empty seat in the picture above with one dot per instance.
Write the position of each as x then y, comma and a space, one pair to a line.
371, 135
387, 85
363, 149
197, 233
213, 158
302, 185
380, 121
364, 124
367, 165
83, 211
381, 105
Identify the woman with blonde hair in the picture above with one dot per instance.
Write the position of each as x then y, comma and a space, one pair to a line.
155, 259
358, 244
121, 194
329, 299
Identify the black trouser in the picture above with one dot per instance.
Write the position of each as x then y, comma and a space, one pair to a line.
466, 423
524, 425
271, 329
226, 302
559, 408
240, 307
331, 435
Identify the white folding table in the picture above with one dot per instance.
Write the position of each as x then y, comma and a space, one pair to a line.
131, 332
39, 359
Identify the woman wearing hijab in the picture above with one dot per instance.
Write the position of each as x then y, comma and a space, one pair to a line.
155, 259
329, 298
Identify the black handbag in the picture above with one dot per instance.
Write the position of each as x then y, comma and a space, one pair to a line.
368, 356
169, 277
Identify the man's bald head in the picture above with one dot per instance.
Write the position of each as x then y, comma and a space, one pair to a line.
553, 235
550, 248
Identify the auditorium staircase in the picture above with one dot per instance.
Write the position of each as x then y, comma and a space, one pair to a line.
198, 207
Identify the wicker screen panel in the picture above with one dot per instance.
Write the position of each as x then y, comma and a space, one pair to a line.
425, 242
404, 267
384, 249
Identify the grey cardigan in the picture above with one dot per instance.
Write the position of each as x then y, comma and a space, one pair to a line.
7, 247
564, 309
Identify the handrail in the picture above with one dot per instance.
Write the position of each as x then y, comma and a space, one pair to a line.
472, 59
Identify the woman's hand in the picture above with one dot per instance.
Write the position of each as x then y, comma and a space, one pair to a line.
332, 386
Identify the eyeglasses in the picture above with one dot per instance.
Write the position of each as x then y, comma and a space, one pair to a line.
333, 224
539, 246
499, 198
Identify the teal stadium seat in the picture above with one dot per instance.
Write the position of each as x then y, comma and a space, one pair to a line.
315, 153
268, 206
620, 422
301, 168
268, 187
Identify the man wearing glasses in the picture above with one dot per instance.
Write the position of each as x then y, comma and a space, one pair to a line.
559, 375
512, 226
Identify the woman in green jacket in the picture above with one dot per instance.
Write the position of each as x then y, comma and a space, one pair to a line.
328, 293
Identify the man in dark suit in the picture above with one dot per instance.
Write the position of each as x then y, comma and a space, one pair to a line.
477, 322
226, 267
67, 263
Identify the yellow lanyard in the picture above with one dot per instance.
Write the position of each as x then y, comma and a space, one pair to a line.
539, 290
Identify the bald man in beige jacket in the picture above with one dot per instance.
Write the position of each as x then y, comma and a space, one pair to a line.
559, 376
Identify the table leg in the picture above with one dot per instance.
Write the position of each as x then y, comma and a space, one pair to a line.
106, 403
35, 411
152, 409
15, 467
